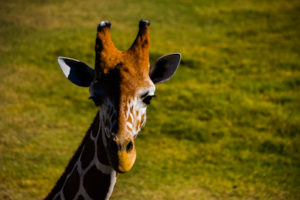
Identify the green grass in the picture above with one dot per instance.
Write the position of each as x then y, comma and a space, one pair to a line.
227, 126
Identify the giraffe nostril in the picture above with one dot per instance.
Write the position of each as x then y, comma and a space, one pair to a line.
129, 146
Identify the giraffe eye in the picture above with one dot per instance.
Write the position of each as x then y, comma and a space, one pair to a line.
147, 99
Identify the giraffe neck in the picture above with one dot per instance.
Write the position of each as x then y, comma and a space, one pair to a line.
88, 174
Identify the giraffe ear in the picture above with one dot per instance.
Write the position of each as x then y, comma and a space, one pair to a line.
77, 72
164, 67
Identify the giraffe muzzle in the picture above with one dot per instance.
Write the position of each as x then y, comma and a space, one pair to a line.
121, 154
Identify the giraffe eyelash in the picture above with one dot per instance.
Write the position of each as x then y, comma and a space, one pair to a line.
147, 99
144, 95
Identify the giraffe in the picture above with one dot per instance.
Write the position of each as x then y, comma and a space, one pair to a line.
122, 86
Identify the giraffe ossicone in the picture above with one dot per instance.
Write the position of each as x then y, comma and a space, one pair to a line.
121, 85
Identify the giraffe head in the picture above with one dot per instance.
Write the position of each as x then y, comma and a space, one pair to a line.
122, 85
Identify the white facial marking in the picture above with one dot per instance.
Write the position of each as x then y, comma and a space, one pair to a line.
136, 111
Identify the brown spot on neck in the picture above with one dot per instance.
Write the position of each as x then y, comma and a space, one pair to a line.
72, 185
88, 153
96, 183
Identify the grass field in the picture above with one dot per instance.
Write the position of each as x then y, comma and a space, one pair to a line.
227, 126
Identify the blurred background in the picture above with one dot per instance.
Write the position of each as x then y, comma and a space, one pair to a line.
226, 126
